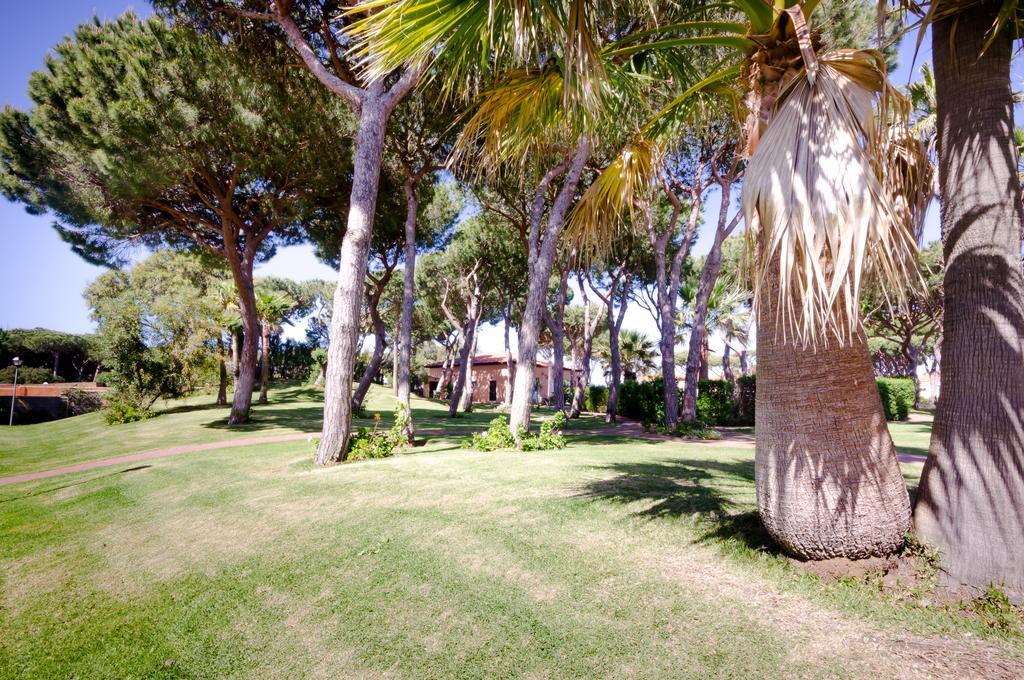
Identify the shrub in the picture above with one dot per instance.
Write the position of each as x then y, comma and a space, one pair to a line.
642, 401
499, 436
596, 399
715, 401
897, 396
378, 443
695, 430
29, 375
82, 401
550, 436
126, 408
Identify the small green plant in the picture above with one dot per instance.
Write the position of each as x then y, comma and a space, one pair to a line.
377, 442
499, 436
550, 435
82, 401
996, 610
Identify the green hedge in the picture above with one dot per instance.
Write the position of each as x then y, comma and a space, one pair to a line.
719, 402
897, 396
596, 399
28, 375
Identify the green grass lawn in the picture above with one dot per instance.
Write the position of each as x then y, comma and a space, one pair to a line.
196, 420
606, 559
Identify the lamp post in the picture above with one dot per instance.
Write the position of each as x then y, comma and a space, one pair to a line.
17, 362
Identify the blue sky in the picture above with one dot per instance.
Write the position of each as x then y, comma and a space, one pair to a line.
41, 280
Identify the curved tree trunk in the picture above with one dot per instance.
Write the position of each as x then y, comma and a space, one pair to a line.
541, 260
828, 481
726, 363
353, 262
264, 361
222, 387
971, 499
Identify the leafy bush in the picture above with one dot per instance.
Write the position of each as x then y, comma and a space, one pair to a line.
124, 407
29, 375
996, 610
715, 401
596, 399
897, 396
82, 401
499, 436
550, 436
378, 443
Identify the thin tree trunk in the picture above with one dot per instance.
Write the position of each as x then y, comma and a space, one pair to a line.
264, 361
556, 324
971, 499
353, 262
222, 388
236, 352
56, 362
541, 260
828, 481
380, 343
509, 363
614, 350
404, 375
697, 349
705, 372
726, 364
743, 363
586, 354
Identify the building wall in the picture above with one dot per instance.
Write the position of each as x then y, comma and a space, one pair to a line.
484, 374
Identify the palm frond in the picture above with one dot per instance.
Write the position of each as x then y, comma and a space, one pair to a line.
825, 202
620, 191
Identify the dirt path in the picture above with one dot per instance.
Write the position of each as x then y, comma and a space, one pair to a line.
248, 441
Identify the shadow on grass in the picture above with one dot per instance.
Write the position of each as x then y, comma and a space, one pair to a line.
692, 488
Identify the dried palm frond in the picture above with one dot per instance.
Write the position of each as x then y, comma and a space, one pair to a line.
521, 114
622, 189
831, 196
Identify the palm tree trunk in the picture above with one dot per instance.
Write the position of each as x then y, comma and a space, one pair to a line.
264, 361
353, 262
541, 261
971, 499
828, 482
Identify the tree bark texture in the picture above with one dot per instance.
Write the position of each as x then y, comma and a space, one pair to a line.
241, 271
828, 481
971, 499
264, 361
541, 260
404, 373
353, 262
222, 386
